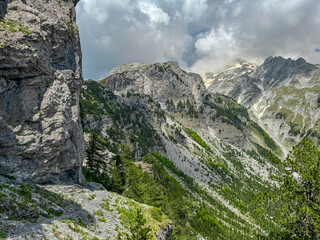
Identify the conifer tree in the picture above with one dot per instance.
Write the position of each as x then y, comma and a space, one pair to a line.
94, 157
138, 228
300, 194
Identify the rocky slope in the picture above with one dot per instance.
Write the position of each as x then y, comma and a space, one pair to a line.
282, 94
40, 79
71, 212
184, 96
207, 142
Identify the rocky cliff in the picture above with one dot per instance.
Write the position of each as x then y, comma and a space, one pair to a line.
40, 79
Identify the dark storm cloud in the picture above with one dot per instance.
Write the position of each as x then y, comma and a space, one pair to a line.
202, 35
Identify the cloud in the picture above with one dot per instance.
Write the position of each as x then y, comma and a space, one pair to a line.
155, 14
92, 8
190, 7
213, 46
201, 35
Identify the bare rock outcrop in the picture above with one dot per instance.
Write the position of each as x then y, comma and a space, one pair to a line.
40, 79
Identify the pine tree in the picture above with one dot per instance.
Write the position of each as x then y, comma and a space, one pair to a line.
116, 180
94, 157
300, 194
138, 229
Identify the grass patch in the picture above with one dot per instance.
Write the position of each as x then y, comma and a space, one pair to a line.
198, 139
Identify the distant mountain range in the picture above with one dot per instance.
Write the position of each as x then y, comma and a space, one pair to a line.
283, 95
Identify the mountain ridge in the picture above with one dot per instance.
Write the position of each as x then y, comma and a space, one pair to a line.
281, 94
164, 157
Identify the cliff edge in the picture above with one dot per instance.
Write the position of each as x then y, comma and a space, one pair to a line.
40, 79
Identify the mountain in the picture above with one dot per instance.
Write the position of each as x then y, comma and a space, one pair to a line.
41, 137
281, 94
147, 152
184, 95
42, 192
218, 157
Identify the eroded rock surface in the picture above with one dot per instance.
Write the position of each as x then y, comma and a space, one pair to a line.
40, 79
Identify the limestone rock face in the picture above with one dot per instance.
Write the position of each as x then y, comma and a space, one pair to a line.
162, 81
235, 81
40, 79
177, 90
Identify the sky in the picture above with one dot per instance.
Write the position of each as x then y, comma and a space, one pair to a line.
202, 35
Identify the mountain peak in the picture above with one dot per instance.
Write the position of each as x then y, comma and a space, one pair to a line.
280, 60
301, 61
277, 70
135, 66
239, 68
127, 67
161, 81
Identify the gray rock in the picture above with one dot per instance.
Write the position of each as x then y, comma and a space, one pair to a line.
168, 82
162, 81
276, 70
165, 233
40, 79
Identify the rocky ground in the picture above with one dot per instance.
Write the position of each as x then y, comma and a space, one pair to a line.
70, 212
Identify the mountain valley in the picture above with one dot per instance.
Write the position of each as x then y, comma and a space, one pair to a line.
150, 151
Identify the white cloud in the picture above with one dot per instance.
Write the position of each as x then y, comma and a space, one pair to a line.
218, 40
92, 8
104, 41
193, 9
204, 35
214, 50
156, 15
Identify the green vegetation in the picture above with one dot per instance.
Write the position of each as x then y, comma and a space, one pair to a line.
219, 167
189, 109
25, 30
299, 195
14, 26
138, 228
93, 152
314, 133
70, 27
197, 139
287, 98
167, 163
227, 110
129, 125
188, 214
3, 234
265, 137
156, 181
8, 176
285, 113
29, 202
